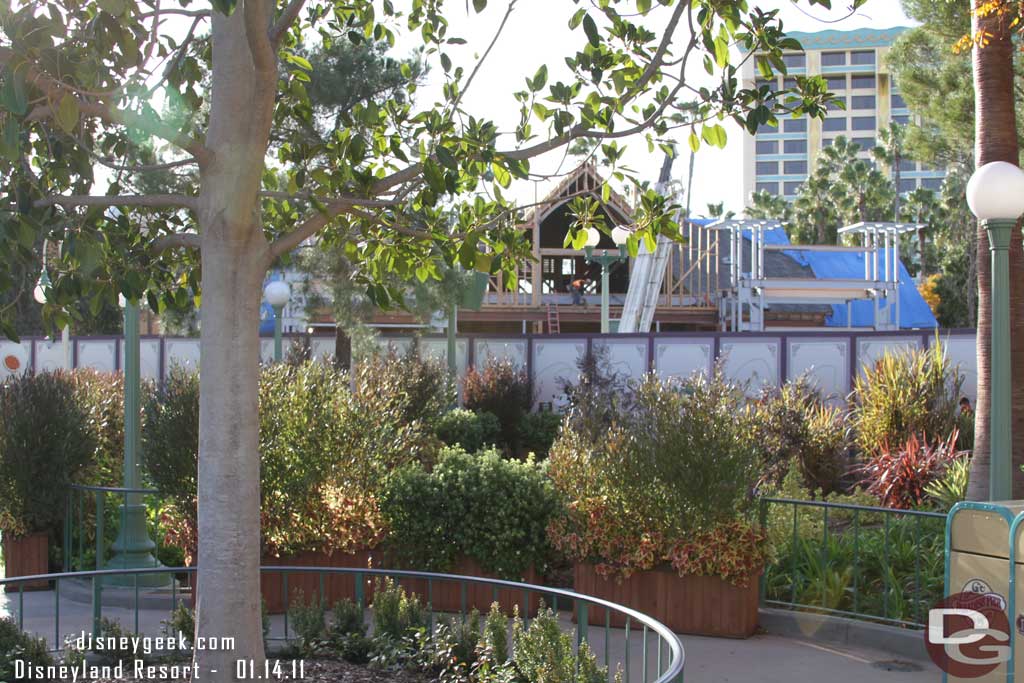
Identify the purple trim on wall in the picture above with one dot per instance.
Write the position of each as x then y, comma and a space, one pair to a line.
32, 355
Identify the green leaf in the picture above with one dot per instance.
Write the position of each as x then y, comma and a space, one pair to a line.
540, 79
643, 6
479, 5
13, 94
501, 175
67, 113
694, 142
113, 7
9, 143
577, 18
590, 28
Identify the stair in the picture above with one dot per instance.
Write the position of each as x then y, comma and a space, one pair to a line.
553, 323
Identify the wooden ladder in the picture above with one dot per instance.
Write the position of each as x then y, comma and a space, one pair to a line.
553, 322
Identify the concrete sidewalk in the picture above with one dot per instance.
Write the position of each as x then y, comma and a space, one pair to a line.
761, 659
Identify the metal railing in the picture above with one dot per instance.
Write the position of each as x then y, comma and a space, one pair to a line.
874, 563
82, 501
643, 650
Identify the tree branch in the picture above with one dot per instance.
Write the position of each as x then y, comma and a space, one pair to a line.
156, 201
287, 18
257, 27
483, 58
183, 240
55, 90
144, 168
319, 220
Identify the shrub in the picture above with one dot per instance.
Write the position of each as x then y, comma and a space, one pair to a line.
472, 431
15, 645
307, 620
325, 456
46, 444
503, 389
682, 462
794, 427
101, 395
597, 395
537, 431
899, 476
395, 612
902, 395
543, 653
480, 506
419, 390
951, 487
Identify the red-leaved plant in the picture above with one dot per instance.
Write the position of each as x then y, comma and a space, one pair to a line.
898, 476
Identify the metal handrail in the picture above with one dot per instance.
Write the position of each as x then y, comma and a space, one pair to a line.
916, 620
110, 489
671, 673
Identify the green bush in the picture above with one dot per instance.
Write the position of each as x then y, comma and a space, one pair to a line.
544, 654
503, 389
597, 395
416, 389
905, 394
15, 645
325, 456
681, 462
471, 431
951, 487
537, 431
396, 613
101, 395
480, 506
794, 427
46, 444
307, 620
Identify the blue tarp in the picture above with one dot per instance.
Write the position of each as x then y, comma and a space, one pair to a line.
914, 311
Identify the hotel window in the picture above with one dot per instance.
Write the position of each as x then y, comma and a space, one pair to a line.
767, 146
795, 61
827, 142
795, 125
901, 119
908, 165
836, 82
794, 146
908, 184
794, 167
863, 123
792, 188
833, 58
897, 101
862, 57
863, 102
863, 82
934, 184
770, 188
838, 104
771, 83
788, 83
834, 123
865, 143
767, 167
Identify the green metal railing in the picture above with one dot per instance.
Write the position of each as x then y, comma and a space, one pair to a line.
83, 501
643, 651
873, 563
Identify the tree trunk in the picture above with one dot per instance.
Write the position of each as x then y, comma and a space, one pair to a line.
995, 123
235, 258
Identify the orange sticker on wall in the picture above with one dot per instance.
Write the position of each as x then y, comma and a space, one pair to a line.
12, 363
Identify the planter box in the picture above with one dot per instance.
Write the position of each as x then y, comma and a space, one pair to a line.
336, 586
26, 556
446, 596
697, 605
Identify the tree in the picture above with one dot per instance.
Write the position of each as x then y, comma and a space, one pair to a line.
995, 124
718, 211
767, 206
78, 82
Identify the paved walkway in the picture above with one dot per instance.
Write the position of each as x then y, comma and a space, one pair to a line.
761, 659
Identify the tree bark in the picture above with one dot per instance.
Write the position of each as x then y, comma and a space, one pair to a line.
995, 123
235, 258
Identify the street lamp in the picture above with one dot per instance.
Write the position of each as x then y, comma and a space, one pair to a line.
995, 194
277, 294
619, 235
133, 549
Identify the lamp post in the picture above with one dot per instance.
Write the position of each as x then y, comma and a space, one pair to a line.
619, 235
133, 549
995, 194
277, 294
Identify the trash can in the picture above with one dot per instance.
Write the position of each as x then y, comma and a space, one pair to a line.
979, 561
1016, 605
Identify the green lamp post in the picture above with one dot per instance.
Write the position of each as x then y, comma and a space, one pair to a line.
995, 194
277, 294
619, 235
133, 549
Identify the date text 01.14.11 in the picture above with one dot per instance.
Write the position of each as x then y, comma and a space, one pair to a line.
271, 669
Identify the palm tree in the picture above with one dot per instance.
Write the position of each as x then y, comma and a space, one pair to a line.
718, 211
767, 206
995, 121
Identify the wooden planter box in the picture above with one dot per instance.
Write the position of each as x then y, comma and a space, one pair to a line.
336, 586
26, 556
446, 596
697, 605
